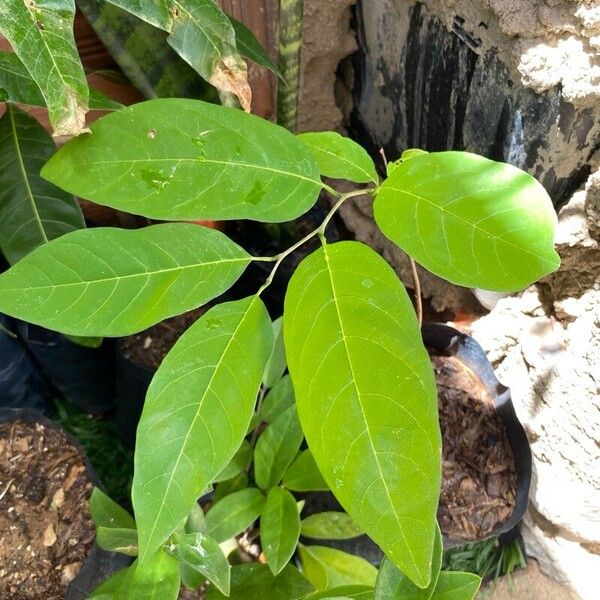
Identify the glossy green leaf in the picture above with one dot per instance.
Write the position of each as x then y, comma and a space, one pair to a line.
239, 462
330, 526
456, 586
359, 592
279, 528
41, 34
124, 541
366, 397
234, 513
203, 36
157, 579
470, 220
196, 521
108, 281
17, 85
185, 159
328, 567
276, 365
255, 582
107, 513
196, 414
229, 486
276, 448
303, 475
106, 590
32, 211
278, 399
203, 554
392, 584
340, 157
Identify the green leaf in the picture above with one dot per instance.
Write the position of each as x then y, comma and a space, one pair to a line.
330, 526
303, 475
202, 553
198, 410
32, 211
392, 584
278, 399
107, 589
279, 528
239, 462
196, 521
108, 281
107, 513
234, 513
276, 365
453, 585
362, 592
210, 162
340, 157
41, 34
470, 220
157, 579
255, 582
328, 567
276, 448
86, 342
124, 541
203, 36
366, 397
250, 47
17, 85
229, 486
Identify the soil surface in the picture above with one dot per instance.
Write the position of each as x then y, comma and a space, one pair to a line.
478, 475
149, 347
46, 531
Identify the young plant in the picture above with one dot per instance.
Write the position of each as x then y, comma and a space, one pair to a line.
364, 394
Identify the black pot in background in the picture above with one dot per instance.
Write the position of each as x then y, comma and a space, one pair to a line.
85, 376
21, 383
99, 564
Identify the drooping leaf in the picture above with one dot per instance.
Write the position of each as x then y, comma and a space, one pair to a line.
366, 397
32, 211
203, 554
359, 592
41, 34
203, 36
303, 475
279, 528
276, 448
328, 567
234, 513
108, 281
255, 582
107, 513
392, 584
276, 365
157, 579
239, 461
17, 85
330, 526
113, 539
279, 398
453, 585
470, 220
340, 157
196, 414
178, 159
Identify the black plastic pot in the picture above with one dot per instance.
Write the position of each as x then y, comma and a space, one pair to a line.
21, 383
100, 564
86, 376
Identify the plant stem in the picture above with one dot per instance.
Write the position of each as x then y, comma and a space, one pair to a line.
417, 287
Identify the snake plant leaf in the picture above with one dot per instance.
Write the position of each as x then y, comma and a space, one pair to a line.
340, 157
107, 513
124, 541
157, 579
456, 586
330, 525
180, 159
17, 85
108, 281
203, 36
196, 415
328, 567
470, 220
366, 397
276, 448
392, 584
239, 462
279, 528
303, 475
41, 34
234, 513
32, 211
279, 398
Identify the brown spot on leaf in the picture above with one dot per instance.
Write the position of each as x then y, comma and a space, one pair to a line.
231, 75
